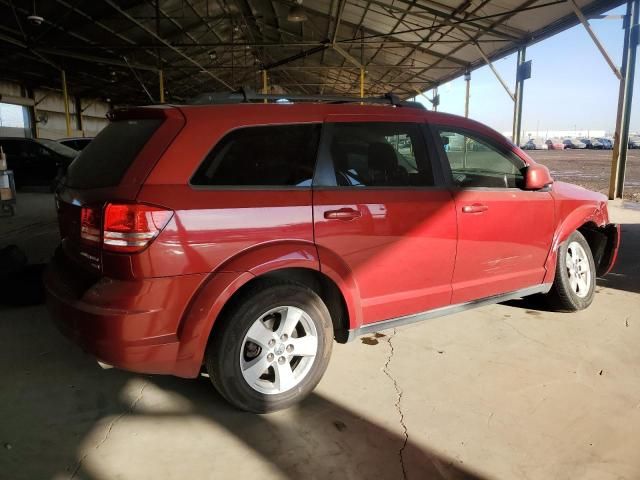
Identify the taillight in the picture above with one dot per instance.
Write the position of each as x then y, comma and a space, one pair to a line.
122, 227
90, 225
131, 227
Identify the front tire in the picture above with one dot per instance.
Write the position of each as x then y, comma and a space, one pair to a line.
272, 347
574, 284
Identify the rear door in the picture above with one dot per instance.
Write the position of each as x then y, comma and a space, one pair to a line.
382, 214
504, 232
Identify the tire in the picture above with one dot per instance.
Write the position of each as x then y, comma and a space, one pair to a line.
573, 287
250, 340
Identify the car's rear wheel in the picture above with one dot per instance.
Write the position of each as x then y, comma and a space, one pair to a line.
574, 284
272, 348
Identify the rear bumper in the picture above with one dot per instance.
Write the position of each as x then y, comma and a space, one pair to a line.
131, 325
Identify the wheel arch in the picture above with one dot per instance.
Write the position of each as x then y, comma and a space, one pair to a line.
602, 237
315, 280
219, 292
603, 242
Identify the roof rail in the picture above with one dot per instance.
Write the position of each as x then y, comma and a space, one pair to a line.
247, 95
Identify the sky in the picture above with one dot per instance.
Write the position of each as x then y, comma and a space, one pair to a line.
571, 87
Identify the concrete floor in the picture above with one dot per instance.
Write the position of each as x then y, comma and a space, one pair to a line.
502, 392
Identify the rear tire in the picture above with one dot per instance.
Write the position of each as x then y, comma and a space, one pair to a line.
251, 357
574, 284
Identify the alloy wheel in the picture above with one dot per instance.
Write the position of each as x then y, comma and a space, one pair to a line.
278, 350
578, 269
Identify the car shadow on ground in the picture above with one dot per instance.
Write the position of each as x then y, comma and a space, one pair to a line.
59, 409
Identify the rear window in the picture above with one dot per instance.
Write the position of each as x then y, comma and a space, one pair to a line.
105, 160
279, 156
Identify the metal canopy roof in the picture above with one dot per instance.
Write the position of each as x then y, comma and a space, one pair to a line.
114, 48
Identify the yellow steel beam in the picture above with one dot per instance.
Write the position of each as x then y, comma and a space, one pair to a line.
67, 116
265, 84
161, 81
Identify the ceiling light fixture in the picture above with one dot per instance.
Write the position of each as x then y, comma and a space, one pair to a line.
34, 18
297, 13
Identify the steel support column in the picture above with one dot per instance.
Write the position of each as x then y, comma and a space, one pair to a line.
625, 98
265, 84
78, 106
65, 94
517, 106
161, 84
361, 82
467, 80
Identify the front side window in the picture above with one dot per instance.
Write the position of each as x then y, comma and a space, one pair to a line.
475, 162
276, 156
379, 154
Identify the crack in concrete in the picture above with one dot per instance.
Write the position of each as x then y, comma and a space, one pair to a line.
107, 434
397, 404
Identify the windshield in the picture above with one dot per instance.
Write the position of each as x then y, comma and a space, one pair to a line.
58, 147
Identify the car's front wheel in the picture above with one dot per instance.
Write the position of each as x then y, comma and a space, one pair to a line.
574, 284
272, 348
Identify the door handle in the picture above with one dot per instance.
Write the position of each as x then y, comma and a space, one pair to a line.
342, 214
475, 208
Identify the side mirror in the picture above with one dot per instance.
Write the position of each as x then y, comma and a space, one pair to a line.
537, 177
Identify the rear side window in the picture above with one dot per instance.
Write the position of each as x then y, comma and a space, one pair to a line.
105, 160
277, 156
378, 154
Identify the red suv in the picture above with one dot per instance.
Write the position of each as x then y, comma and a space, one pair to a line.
246, 237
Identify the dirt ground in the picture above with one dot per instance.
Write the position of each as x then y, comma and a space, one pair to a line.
590, 169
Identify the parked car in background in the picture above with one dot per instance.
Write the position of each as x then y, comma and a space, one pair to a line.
634, 142
532, 144
246, 238
554, 144
36, 162
607, 143
572, 143
77, 143
592, 143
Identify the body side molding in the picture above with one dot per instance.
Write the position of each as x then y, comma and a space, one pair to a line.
451, 309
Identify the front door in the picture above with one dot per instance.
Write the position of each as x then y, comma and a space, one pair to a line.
504, 232
382, 212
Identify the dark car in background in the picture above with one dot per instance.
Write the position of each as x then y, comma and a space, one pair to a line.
36, 162
592, 143
77, 143
634, 142
570, 143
